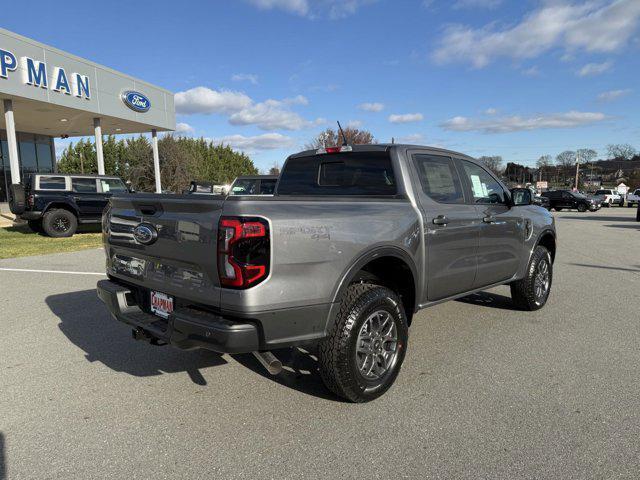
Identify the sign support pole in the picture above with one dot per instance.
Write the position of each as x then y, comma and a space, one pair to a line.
11, 141
99, 154
156, 159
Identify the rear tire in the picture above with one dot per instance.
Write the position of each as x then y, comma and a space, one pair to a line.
558, 209
532, 292
58, 223
362, 356
582, 208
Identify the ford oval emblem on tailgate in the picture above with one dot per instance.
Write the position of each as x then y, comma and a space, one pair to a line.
136, 101
145, 233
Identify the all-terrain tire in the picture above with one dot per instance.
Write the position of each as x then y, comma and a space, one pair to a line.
337, 353
59, 222
523, 292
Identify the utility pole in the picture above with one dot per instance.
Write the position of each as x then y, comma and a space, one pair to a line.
577, 170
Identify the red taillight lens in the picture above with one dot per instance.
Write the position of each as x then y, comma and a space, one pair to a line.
243, 251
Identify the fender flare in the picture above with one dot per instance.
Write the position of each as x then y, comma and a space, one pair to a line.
61, 204
542, 234
378, 252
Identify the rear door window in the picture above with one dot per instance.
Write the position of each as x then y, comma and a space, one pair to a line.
52, 183
267, 187
439, 178
349, 173
84, 185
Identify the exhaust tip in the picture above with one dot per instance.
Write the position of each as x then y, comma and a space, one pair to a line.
269, 362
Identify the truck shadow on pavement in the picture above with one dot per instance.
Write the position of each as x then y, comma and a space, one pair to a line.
86, 323
489, 299
299, 372
602, 218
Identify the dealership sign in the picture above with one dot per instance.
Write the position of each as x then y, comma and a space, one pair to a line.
136, 101
36, 73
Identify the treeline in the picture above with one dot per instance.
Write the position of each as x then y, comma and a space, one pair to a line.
182, 159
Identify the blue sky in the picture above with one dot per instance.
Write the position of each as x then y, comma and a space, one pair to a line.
484, 77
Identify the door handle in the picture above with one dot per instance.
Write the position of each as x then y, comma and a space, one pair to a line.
489, 219
76, 198
440, 220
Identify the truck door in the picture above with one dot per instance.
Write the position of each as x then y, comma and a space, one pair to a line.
90, 203
451, 228
502, 227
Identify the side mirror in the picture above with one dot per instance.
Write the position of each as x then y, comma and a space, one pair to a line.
521, 196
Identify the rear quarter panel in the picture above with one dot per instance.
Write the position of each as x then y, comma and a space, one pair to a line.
315, 242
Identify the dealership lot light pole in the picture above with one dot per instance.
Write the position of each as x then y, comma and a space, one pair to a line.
99, 155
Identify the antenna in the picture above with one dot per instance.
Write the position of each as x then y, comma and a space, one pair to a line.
344, 138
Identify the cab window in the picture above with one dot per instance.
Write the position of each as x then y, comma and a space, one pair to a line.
484, 188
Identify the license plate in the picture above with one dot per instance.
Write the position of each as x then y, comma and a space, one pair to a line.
161, 304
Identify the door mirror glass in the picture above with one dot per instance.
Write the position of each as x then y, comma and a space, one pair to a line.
521, 196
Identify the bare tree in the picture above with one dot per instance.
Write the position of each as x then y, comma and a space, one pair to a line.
493, 163
566, 158
332, 138
275, 169
622, 151
586, 155
543, 163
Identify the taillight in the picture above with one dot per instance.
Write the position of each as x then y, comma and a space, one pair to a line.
243, 251
343, 148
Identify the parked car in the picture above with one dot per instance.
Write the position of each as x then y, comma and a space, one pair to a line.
354, 242
542, 201
610, 197
633, 198
254, 185
54, 204
567, 200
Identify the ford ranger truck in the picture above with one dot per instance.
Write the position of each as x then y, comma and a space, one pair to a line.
355, 241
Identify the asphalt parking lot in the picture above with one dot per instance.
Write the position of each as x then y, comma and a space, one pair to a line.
485, 391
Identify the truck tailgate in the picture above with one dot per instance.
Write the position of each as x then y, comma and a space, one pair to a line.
181, 259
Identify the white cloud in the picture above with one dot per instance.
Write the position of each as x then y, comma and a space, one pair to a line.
591, 69
371, 106
266, 141
354, 123
405, 117
206, 100
313, 9
245, 77
612, 95
531, 71
300, 7
476, 3
516, 123
183, 128
592, 26
242, 110
271, 115
491, 111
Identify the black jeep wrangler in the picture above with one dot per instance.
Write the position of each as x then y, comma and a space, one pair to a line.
54, 203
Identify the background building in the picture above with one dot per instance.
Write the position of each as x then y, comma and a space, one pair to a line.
47, 93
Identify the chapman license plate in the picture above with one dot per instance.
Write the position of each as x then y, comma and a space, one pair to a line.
161, 304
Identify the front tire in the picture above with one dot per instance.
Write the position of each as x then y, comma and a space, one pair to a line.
582, 207
532, 292
59, 223
362, 356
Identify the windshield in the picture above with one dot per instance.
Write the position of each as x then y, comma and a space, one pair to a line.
579, 195
112, 185
603, 192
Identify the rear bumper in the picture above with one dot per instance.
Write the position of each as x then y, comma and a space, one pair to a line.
189, 327
185, 328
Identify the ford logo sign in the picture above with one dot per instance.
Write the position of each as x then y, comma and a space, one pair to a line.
145, 233
136, 101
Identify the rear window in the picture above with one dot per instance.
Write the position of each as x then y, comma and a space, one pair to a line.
267, 187
84, 185
354, 173
52, 183
112, 185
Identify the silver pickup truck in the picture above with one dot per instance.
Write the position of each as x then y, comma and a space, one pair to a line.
354, 242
